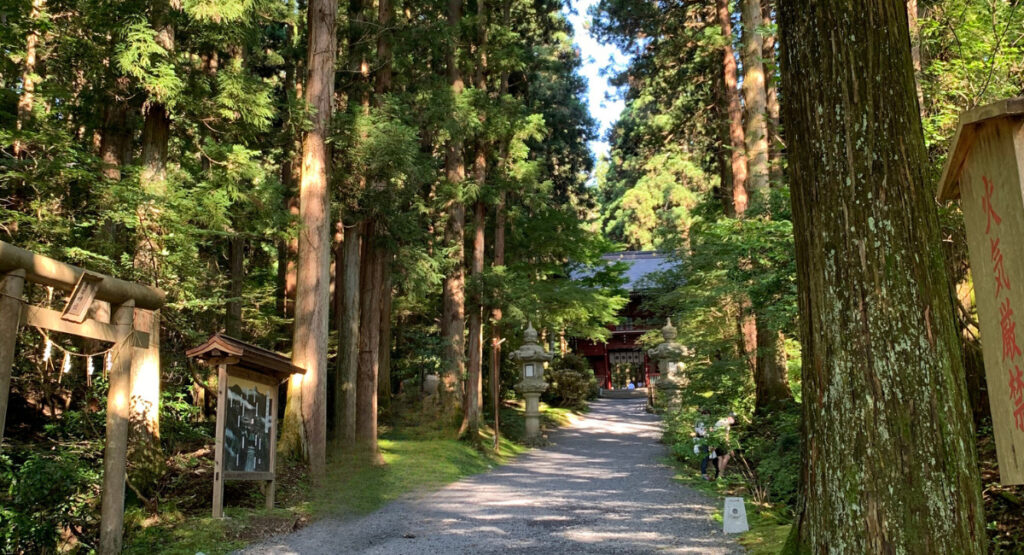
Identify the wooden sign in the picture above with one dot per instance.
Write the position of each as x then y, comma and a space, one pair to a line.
77, 307
247, 407
984, 170
250, 424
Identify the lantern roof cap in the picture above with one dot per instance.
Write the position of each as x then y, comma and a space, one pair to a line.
530, 335
967, 129
669, 331
530, 351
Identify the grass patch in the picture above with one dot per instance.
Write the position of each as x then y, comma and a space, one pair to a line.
409, 466
768, 528
416, 459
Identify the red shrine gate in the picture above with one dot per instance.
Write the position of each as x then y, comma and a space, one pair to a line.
622, 347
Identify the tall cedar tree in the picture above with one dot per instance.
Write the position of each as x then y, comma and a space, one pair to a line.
473, 405
889, 464
349, 317
305, 425
770, 378
453, 317
735, 112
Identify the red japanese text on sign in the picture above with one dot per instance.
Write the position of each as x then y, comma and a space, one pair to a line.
986, 205
1007, 324
1009, 328
1002, 280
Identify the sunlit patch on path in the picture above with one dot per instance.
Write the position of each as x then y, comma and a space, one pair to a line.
599, 488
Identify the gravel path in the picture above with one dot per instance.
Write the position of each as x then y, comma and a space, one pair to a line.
599, 488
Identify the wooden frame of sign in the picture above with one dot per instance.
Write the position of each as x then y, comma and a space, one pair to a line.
247, 407
985, 169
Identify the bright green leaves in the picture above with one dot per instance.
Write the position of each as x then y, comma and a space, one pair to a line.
140, 56
218, 11
242, 96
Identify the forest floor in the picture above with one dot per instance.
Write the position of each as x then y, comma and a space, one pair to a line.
417, 459
599, 487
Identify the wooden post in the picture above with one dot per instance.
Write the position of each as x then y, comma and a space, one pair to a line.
10, 316
271, 485
116, 451
218, 457
146, 456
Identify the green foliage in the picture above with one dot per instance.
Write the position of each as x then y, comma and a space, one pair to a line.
41, 496
571, 382
772, 446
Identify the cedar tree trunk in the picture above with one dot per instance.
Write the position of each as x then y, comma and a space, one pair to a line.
889, 464
735, 111
305, 423
453, 317
348, 338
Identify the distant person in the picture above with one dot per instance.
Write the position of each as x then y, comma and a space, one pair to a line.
700, 445
723, 452
631, 386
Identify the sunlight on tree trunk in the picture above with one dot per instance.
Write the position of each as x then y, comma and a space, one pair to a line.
735, 111
312, 299
756, 132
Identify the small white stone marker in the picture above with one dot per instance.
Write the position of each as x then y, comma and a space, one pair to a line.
734, 516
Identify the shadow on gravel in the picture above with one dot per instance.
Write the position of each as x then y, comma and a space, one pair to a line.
598, 488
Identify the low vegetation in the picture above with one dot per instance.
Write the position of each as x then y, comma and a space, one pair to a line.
415, 459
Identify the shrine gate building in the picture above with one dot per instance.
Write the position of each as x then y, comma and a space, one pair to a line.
622, 348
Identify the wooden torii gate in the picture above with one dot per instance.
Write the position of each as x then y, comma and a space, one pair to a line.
94, 295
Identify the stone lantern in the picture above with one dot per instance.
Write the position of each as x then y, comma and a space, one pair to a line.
669, 356
532, 358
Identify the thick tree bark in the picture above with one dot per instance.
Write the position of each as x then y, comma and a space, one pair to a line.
756, 131
771, 381
145, 453
115, 139
348, 338
384, 368
746, 328
371, 274
382, 87
760, 341
915, 50
453, 317
115, 150
474, 378
889, 464
288, 250
498, 262
473, 405
724, 154
735, 111
771, 69
305, 424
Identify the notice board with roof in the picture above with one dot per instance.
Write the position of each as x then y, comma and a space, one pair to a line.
984, 171
247, 407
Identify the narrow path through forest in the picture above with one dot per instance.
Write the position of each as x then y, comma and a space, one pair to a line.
600, 487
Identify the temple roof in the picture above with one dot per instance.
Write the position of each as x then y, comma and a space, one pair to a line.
641, 264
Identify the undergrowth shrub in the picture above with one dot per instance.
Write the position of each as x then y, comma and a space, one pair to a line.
44, 496
571, 382
771, 445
